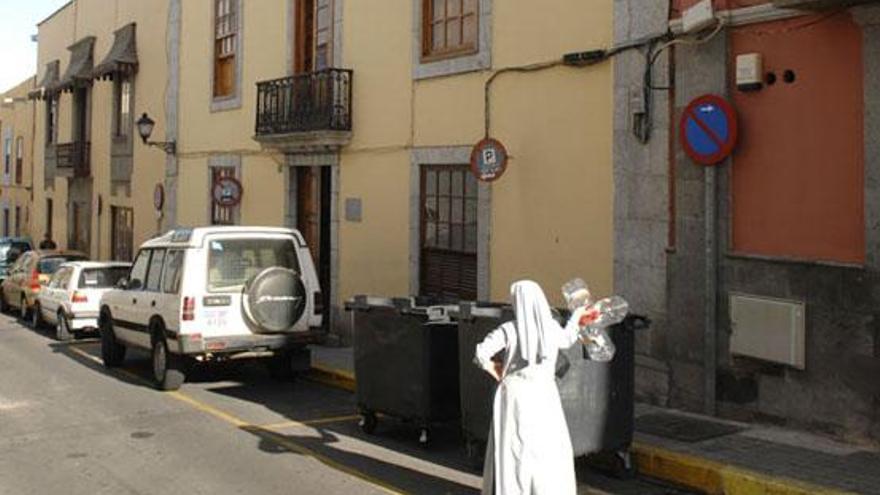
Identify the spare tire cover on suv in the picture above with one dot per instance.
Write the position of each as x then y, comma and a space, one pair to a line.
274, 300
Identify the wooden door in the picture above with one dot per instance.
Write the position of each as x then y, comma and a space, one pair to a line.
308, 211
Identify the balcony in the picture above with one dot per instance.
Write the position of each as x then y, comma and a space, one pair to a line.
73, 159
305, 113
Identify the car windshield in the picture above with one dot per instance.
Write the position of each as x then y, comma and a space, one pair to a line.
102, 278
49, 264
232, 262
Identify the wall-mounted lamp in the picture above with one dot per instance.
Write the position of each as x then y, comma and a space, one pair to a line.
145, 127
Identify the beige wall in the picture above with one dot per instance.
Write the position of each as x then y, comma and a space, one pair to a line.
16, 122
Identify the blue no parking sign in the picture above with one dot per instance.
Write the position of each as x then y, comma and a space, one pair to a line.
708, 129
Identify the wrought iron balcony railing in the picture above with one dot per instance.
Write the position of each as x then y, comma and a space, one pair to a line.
315, 101
74, 157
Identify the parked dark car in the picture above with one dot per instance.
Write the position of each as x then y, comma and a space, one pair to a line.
10, 249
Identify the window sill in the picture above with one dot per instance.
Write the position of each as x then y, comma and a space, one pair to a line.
452, 54
225, 103
794, 260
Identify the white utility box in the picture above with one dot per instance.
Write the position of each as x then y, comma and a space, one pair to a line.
749, 72
698, 17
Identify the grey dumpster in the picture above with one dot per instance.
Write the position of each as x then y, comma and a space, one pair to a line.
406, 362
597, 397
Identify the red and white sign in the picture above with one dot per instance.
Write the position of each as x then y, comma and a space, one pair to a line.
227, 191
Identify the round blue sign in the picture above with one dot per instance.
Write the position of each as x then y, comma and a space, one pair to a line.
708, 129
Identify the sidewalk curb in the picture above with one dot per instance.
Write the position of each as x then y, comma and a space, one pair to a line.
716, 478
332, 377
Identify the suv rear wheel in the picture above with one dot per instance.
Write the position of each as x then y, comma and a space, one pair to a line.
168, 369
112, 352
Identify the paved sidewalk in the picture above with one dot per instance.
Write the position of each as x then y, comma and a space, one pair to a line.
749, 459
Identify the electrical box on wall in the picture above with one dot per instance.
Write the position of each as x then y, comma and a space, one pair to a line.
749, 72
698, 17
768, 329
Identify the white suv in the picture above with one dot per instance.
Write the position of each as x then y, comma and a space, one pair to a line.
215, 293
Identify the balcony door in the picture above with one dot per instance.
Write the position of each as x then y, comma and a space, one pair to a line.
81, 115
313, 43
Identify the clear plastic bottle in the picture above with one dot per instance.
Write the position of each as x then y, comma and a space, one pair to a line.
604, 313
576, 294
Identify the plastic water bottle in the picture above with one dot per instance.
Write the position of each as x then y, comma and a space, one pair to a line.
576, 294
599, 316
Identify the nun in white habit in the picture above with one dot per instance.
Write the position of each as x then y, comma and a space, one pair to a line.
529, 449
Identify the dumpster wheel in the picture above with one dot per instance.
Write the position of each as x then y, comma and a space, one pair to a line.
623, 468
424, 436
474, 452
368, 422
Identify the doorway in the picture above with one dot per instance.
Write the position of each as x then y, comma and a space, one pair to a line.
311, 189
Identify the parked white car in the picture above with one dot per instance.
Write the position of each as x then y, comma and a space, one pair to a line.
71, 299
215, 293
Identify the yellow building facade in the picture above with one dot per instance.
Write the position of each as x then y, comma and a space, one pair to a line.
350, 120
16, 160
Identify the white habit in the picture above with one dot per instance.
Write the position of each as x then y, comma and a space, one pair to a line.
529, 449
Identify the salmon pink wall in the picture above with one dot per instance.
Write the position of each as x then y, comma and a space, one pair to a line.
798, 172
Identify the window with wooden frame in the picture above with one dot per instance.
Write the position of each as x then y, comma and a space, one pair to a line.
122, 121
51, 120
449, 28
19, 159
448, 245
221, 215
225, 47
7, 155
18, 221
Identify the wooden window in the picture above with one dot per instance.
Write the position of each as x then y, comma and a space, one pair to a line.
49, 214
6, 222
51, 120
121, 233
7, 155
448, 232
17, 221
225, 47
19, 159
122, 122
449, 28
221, 215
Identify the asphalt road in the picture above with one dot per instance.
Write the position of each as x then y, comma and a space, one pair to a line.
69, 426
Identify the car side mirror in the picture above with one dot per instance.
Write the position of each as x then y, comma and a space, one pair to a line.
134, 284
122, 283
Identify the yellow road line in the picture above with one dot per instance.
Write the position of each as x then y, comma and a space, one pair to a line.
262, 432
310, 422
